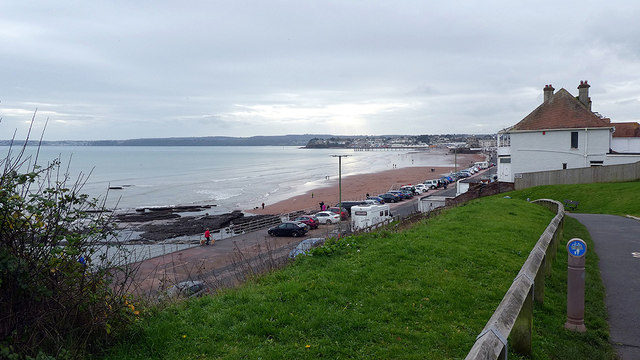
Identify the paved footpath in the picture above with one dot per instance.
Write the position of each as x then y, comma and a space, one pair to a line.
617, 243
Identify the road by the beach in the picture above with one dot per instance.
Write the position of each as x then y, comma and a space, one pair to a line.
229, 260
617, 242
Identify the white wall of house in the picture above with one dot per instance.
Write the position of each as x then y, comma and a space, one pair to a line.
626, 144
431, 202
532, 151
619, 159
461, 187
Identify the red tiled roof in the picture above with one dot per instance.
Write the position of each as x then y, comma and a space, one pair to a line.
562, 111
628, 129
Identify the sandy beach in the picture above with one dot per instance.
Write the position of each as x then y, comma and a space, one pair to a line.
355, 187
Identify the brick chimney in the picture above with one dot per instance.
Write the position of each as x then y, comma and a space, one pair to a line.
548, 92
583, 94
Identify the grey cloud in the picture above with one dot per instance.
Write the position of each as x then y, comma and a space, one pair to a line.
130, 69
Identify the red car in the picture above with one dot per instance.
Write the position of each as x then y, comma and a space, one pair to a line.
309, 220
343, 214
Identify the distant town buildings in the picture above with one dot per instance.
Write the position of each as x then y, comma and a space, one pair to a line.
563, 133
463, 141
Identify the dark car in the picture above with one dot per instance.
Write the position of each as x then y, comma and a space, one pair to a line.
309, 220
289, 228
376, 198
349, 204
403, 195
388, 198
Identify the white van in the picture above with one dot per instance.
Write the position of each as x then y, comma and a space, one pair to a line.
365, 216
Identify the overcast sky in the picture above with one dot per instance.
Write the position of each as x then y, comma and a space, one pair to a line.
136, 69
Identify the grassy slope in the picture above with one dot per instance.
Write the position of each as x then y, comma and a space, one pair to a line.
422, 293
598, 198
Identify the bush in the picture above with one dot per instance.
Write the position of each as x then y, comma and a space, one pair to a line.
56, 297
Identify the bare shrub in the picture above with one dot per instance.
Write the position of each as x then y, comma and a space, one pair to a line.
57, 298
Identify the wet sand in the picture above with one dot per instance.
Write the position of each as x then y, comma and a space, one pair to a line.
355, 187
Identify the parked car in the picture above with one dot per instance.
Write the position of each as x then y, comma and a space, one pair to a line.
327, 217
408, 194
184, 289
388, 198
309, 220
305, 246
410, 188
398, 193
376, 198
288, 228
433, 184
342, 212
421, 188
404, 194
348, 204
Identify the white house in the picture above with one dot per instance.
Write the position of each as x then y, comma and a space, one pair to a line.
561, 133
626, 138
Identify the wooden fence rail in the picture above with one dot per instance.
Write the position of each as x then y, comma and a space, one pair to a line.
513, 319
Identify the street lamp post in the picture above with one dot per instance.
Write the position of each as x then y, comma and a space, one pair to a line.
455, 158
340, 185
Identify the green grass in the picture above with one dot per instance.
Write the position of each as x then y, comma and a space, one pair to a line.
597, 198
422, 293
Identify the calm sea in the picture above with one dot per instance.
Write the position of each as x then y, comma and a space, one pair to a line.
231, 177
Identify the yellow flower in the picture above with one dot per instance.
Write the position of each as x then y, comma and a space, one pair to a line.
307, 346
184, 336
136, 312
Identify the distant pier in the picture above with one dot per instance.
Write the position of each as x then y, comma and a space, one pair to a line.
392, 148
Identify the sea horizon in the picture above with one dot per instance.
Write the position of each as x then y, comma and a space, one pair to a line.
229, 177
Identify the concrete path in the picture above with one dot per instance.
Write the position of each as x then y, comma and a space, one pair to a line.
617, 243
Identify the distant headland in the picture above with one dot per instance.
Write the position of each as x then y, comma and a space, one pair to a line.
307, 140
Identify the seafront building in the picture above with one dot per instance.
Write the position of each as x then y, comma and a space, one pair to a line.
563, 133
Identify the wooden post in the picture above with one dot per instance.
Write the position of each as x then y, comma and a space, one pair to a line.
538, 286
521, 333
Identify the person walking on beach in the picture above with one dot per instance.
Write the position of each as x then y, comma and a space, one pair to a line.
262, 206
321, 205
207, 237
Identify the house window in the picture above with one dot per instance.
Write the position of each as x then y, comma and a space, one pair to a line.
564, 166
596, 163
505, 160
574, 139
505, 140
